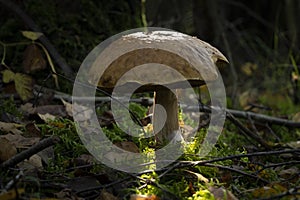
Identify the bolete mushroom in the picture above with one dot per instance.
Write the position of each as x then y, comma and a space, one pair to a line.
193, 59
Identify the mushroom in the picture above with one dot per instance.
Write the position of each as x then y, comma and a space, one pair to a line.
163, 55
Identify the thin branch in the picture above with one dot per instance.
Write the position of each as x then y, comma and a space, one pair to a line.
262, 153
237, 171
247, 132
246, 115
43, 144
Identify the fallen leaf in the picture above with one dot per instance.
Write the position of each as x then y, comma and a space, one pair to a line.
200, 177
104, 195
81, 112
289, 173
221, 193
52, 110
128, 146
7, 149
32, 130
20, 141
32, 35
10, 128
67, 194
28, 108
46, 117
68, 107
33, 59
8, 76
33, 162
84, 159
47, 154
24, 86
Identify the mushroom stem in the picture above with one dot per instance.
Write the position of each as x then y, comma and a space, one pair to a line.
168, 100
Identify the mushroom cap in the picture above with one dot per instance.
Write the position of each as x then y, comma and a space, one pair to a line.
155, 58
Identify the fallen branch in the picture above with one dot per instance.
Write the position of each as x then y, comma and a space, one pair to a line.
248, 115
186, 108
44, 40
247, 132
43, 144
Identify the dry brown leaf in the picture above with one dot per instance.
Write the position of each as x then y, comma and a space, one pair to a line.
47, 154
104, 195
28, 108
221, 193
54, 110
33, 162
128, 146
20, 141
290, 172
10, 128
7, 149
33, 59
47, 117
82, 113
68, 107
67, 194
84, 159
32, 130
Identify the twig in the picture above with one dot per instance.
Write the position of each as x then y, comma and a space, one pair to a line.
202, 108
247, 132
104, 186
262, 153
44, 40
246, 115
43, 144
278, 165
237, 171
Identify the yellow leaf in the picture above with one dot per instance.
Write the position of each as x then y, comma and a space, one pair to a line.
248, 68
32, 35
8, 76
23, 84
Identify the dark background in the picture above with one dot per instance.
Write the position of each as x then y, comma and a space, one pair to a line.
260, 36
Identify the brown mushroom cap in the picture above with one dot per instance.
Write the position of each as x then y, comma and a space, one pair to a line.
194, 59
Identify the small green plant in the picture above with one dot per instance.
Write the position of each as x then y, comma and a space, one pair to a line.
8, 106
70, 145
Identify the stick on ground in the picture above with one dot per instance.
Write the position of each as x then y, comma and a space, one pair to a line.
43, 144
